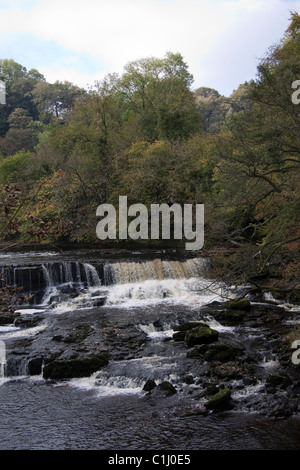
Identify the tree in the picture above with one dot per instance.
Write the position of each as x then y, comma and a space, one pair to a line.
19, 90
258, 176
54, 100
19, 119
157, 92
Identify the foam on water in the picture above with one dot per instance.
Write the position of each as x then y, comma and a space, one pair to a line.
14, 332
189, 291
155, 335
134, 284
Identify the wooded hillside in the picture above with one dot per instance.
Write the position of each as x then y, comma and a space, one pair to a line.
148, 135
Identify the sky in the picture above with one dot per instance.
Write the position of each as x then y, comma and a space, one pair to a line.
222, 41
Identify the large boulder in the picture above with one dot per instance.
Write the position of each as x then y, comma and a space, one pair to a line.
167, 388
221, 400
71, 368
220, 352
238, 304
181, 330
201, 334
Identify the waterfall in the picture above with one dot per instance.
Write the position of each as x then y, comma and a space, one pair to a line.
76, 284
74, 272
48, 280
30, 278
68, 278
124, 272
148, 281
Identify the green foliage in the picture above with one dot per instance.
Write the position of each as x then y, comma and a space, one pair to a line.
157, 92
147, 135
14, 168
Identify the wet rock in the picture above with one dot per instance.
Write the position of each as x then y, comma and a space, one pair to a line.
202, 334
188, 379
228, 371
249, 381
149, 385
7, 318
198, 351
167, 388
181, 330
209, 391
99, 301
220, 352
223, 352
234, 317
220, 401
238, 304
281, 381
35, 366
77, 334
80, 367
27, 321
123, 343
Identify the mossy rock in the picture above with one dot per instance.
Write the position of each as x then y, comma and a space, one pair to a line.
81, 367
202, 334
180, 330
219, 352
222, 352
220, 400
167, 388
234, 316
238, 304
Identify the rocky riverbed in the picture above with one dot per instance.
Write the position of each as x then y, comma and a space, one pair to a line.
222, 356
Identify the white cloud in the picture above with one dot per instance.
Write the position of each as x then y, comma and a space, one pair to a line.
221, 40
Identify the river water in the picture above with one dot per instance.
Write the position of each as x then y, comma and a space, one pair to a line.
109, 410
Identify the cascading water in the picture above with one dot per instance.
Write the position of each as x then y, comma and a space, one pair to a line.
147, 281
73, 284
65, 285
51, 282
145, 301
124, 272
127, 282
66, 279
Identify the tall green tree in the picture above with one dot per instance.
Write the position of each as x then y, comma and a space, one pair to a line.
54, 100
156, 92
19, 84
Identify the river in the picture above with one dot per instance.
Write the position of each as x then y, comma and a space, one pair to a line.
109, 410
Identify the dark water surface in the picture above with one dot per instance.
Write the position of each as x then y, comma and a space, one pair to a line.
36, 415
